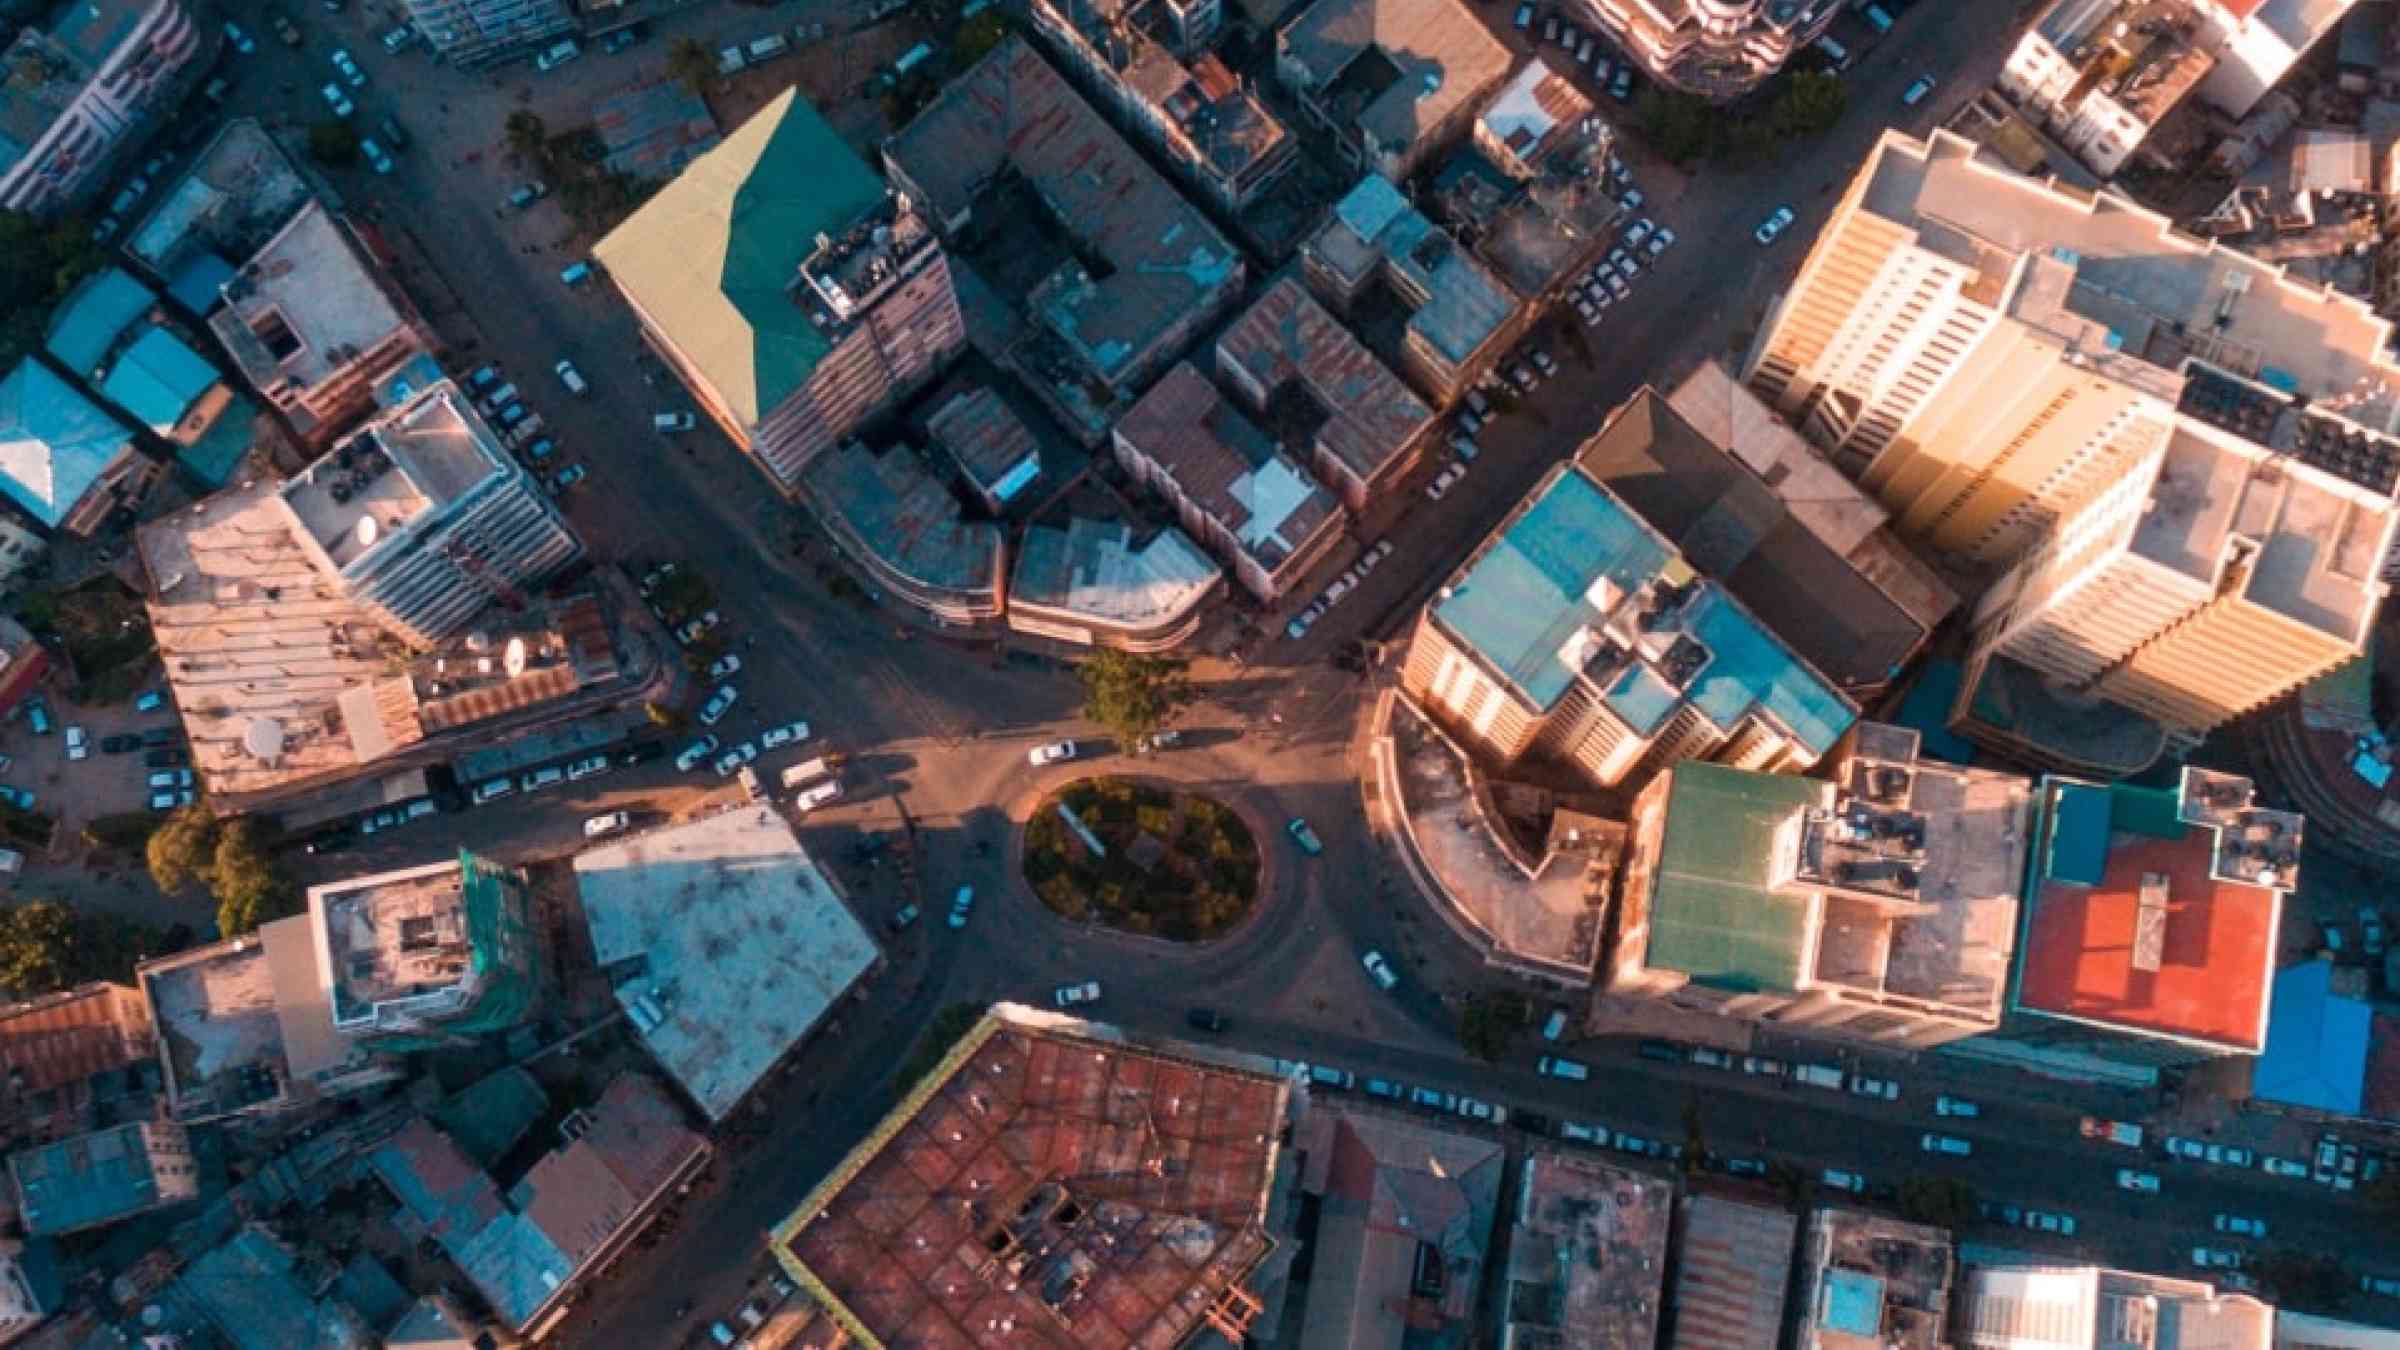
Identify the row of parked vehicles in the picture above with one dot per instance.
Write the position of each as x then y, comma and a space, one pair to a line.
503, 406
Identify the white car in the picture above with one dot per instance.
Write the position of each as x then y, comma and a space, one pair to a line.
1444, 481
338, 101
349, 68
586, 767
828, 791
790, 733
2287, 1168
2130, 1180
78, 747
1380, 970
1475, 1108
695, 753
1639, 231
1660, 242
2216, 1259
2239, 1226
1882, 1089
572, 378
601, 826
1068, 995
377, 158
1956, 1106
1056, 752
723, 666
1773, 226
719, 704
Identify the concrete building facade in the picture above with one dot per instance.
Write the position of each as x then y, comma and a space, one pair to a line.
426, 956
1461, 316
80, 88
1390, 80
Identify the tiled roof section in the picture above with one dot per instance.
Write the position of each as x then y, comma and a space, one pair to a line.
1228, 467
1013, 110
47, 1043
443, 1191
1734, 1263
1287, 337
1081, 1191
983, 433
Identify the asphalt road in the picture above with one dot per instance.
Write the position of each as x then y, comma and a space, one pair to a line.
941, 733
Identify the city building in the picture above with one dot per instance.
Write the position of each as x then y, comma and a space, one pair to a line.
791, 293
112, 333
238, 190
1873, 1283
30, 1288
100, 1178
253, 1291
527, 1247
1235, 489
1096, 583
424, 520
2258, 42
1753, 508
1114, 272
2321, 1045
1461, 317
66, 464
902, 525
2006, 1307
64, 1057
2149, 935
1717, 49
1390, 80
1059, 1177
995, 451
1587, 1254
2100, 74
79, 89
1535, 182
727, 945
1405, 1214
315, 321
428, 956
1302, 374
1880, 906
649, 132
1579, 634
1990, 353
23, 660
1733, 1264
1200, 117
245, 1027
2218, 577
479, 34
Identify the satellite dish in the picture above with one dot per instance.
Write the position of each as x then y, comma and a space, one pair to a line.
367, 530
263, 738
513, 659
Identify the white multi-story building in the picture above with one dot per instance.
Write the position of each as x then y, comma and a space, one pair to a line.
75, 91
2100, 74
2257, 42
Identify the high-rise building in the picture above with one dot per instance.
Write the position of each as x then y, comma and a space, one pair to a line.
792, 293
77, 89
1989, 353
1718, 49
475, 34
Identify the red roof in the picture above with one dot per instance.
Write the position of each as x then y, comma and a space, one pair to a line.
2240, 10
2216, 966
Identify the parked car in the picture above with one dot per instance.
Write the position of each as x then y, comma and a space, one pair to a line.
2241, 1226
2130, 1180
2216, 1258
1917, 89
719, 703
695, 753
1433, 1099
586, 767
338, 101
377, 158
692, 631
2287, 1168
1960, 1107
790, 733
735, 758
398, 40
962, 904
1882, 1089
1305, 837
1069, 995
349, 68
78, 746
526, 194
493, 790
723, 666
1380, 970
1946, 1143
567, 477
1775, 224
1444, 481
1844, 1181
671, 421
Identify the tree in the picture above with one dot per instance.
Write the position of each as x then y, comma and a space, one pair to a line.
1132, 695
1695, 1139
249, 891
333, 144
1811, 102
1490, 1021
689, 64
528, 139
184, 848
1680, 126
1945, 1202
45, 947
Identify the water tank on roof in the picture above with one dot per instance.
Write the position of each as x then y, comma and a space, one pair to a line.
367, 531
513, 659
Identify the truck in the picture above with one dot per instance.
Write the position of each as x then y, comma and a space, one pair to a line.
801, 775
1818, 1075
2111, 1131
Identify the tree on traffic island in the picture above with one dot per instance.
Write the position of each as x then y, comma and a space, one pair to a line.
1132, 695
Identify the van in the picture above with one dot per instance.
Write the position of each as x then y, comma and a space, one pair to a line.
1554, 1067
913, 58
767, 48
1834, 52
575, 274
1819, 1075
801, 775
750, 783
1556, 1026
558, 55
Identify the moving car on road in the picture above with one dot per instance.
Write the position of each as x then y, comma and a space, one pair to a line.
1946, 1143
2143, 1182
1056, 752
962, 905
2241, 1226
1068, 995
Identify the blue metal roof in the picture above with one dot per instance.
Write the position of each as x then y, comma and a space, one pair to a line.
1523, 598
1750, 666
2078, 835
92, 315
1370, 206
2316, 1054
157, 378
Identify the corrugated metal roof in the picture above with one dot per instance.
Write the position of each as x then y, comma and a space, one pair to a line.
1713, 912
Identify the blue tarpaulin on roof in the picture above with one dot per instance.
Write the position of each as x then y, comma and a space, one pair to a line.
2316, 1055
2079, 835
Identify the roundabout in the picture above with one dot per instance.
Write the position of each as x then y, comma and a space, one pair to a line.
1144, 857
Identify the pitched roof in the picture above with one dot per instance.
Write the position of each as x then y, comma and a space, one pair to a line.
1713, 912
89, 319
711, 258
54, 442
2316, 1055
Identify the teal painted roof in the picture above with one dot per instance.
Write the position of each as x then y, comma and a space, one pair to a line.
89, 319
2078, 834
54, 442
1713, 915
1750, 666
1853, 1303
157, 378
711, 258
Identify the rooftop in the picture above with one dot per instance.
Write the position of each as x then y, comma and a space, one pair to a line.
2144, 54
1587, 1260
253, 1293
1574, 587
247, 1023
46, 69
1405, 1218
88, 322
54, 442
1535, 105
2203, 300
1375, 226
1715, 912
1095, 571
306, 304
713, 260
60, 1039
1159, 259
726, 944
1287, 341
1232, 129
365, 496
1880, 1284
1052, 1182
1732, 1269
2318, 1043
653, 130
990, 442
101, 1177
2093, 1305
1228, 467
239, 190
164, 383
401, 950
1396, 69
907, 517
2133, 925
1761, 538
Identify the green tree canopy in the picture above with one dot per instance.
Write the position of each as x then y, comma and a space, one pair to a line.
249, 891
1132, 695
45, 947
183, 849
1811, 102
1490, 1021
528, 139
690, 64
1945, 1202
1680, 126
